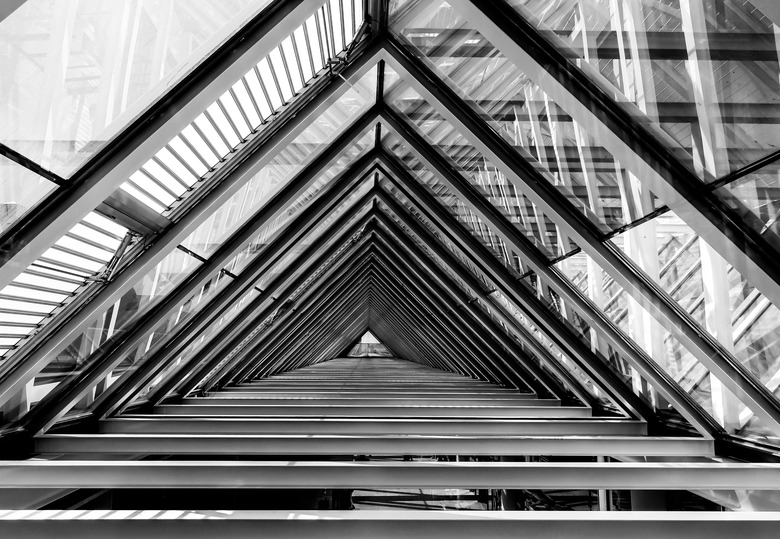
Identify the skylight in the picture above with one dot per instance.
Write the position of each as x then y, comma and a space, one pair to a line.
266, 89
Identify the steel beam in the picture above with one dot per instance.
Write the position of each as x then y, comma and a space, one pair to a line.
312, 474
368, 410
463, 426
387, 524
338, 444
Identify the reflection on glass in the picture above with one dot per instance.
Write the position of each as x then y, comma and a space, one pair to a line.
286, 164
706, 72
73, 357
756, 198
20, 190
83, 254
78, 71
569, 155
243, 110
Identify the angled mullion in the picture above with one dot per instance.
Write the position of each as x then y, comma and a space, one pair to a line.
22, 312
628, 139
183, 161
39, 288
429, 329
230, 119
429, 338
102, 175
80, 273
156, 182
327, 20
318, 289
399, 338
288, 325
219, 132
34, 301
297, 351
167, 161
309, 51
455, 331
208, 142
322, 39
322, 341
430, 324
311, 334
563, 338
100, 230
66, 250
343, 21
208, 359
195, 151
285, 65
265, 90
342, 220
299, 60
466, 329
275, 79
253, 100
18, 324
90, 242
352, 212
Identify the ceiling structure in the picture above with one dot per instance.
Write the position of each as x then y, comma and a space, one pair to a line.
574, 202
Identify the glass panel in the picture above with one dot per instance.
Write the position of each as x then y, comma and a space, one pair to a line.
567, 154
659, 343
153, 338
73, 358
78, 71
705, 71
50, 282
182, 362
756, 198
20, 190
481, 173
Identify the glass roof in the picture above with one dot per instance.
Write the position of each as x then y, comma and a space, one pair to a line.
80, 71
77, 72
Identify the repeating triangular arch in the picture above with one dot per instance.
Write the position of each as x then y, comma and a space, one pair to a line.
531, 247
